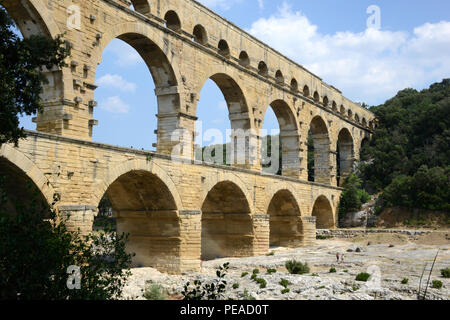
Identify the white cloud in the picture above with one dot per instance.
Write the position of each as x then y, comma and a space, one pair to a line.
368, 66
115, 105
116, 81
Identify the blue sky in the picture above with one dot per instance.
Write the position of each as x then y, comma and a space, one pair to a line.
329, 37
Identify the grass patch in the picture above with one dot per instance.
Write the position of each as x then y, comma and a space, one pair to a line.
437, 284
284, 283
297, 267
155, 292
235, 286
284, 291
445, 272
405, 281
333, 270
244, 274
262, 283
271, 271
255, 271
247, 296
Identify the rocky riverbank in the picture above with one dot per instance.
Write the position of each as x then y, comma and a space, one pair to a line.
389, 262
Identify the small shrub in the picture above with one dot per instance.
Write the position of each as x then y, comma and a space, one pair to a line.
437, 284
284, 283
333, 270
405, 281
321, 287
254, 276
244, 274
247, 296
270, 271
321, 237
346, 271
155, 292
262, 283
315, 274
271, 253
363, 276
256, 271
445, 272
236, 286
284, 291
297, 267
210, 291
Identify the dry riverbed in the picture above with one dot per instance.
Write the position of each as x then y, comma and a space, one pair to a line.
389, 258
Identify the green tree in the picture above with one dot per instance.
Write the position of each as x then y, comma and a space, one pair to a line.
36, 251
22, 63
353, 196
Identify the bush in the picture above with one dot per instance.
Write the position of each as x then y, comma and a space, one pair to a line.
286, 290
211, 291
437, 284
405, 281
297, 267
333, 270
363, 276
353, 197
271, 271
254, 276
315, 274
235, 286
155, 292
445, 272
284, 283
255, 271
262, 283
101, 258
244, 274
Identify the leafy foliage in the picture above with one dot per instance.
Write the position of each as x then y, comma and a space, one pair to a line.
155, 292
410, 150
445, 272
363, 276
36, 252
209, 291
353, 197
297, 267
436, 284
22, 63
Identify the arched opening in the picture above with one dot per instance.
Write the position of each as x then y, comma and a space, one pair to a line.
316, 97
294, 85
224, 49
325, 101
306, 91
279, 77
318, 152
141, 6
262, 69
144, 207
350, 114
285, 222
323, 212
334, 107
172, 21
222, 99
364, 122
244, 60
20, 189
363, 151
342, 110
287, 152
345, 156
227, 227
357, 118
133, 68
200, 34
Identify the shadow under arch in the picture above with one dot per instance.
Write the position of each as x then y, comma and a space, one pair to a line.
227, 225
323, 211
23, 179
285, 220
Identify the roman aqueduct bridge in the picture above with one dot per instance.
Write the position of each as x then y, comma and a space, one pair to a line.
177, 210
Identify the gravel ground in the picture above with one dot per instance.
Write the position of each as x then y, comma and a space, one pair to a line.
388, 263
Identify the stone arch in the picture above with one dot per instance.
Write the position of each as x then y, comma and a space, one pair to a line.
146, 206
22, 165
224, 48
320, 150
279, 77
294, 85
364, 122
334, 106
342, 110
306, 92
200, 34
173, 22
227, 224
289, 138
325, 101
350, 114
137, 165
323, 211
316, 96
164, 72
263, 69
357, 118
141, 6
244, 59
345, 155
